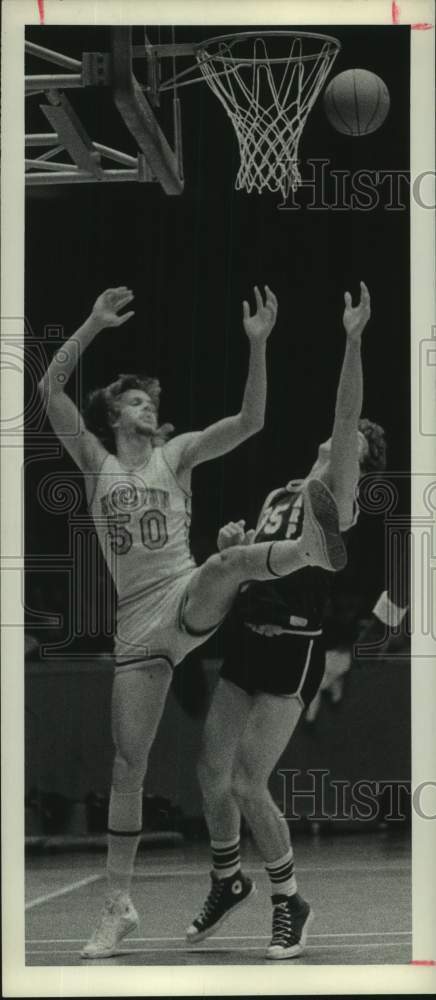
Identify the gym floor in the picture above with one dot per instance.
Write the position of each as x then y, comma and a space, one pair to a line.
359, 886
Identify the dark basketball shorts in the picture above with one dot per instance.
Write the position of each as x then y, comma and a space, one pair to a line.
286, 664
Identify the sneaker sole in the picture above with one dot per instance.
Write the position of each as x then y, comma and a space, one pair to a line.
278, 953
195, 939
323, 515
109, 953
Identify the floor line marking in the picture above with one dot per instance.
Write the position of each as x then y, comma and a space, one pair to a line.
204, 951
233, 937
62, 892
181, 872
168, 872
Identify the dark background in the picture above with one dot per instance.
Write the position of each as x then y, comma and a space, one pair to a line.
191, 260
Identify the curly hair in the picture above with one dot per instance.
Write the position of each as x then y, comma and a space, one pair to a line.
102, 406
375, 459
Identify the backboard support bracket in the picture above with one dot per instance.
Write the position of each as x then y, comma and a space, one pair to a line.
139, 117
73, 136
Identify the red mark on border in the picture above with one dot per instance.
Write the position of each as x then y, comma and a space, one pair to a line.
41, 11
419, 26
428, 962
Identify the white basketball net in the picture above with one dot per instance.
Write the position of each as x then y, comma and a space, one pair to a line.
268, 103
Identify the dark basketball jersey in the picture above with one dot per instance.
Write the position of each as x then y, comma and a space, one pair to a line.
295, 602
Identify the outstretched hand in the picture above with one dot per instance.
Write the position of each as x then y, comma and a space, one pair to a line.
259, 326
108, 305
355, 319
234, 533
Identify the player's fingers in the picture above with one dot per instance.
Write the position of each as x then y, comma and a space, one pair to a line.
347, 299
270, 295
123, 319
124, 300
258, 297
249, 536
246, 310
365, 293
166, 428
269, 304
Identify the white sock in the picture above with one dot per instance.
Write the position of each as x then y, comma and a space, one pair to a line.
225, 857
281, 875
124, 834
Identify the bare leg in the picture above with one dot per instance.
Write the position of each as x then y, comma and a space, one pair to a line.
245, 737
215, 586
269, 728
230, 888
271, 723
224, 725
137, 705
138, 701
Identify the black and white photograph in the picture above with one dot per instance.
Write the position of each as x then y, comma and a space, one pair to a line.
218, 449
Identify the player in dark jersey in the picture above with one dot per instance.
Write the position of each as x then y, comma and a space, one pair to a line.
273, 666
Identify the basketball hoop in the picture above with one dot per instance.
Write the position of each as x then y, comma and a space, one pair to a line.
268, 97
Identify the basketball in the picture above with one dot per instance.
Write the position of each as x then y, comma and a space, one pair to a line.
356, 102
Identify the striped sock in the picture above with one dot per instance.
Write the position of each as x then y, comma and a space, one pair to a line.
124, 833
281, 875
225, 857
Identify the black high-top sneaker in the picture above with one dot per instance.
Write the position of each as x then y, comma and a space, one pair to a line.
291, 919
225, 895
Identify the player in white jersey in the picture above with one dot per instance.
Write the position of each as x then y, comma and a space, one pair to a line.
142, 520
138, 486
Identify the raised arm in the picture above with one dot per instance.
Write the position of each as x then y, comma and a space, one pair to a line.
189, 450
64, 416
344, 455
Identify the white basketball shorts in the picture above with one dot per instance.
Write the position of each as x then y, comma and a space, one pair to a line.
151, 626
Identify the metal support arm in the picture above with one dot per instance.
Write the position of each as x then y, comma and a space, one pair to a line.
138, 115
73, 136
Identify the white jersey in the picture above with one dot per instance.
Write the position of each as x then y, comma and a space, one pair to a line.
142, 519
